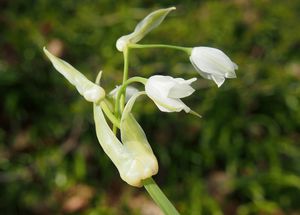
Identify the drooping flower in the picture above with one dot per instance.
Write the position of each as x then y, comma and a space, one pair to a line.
213, 64
166, 92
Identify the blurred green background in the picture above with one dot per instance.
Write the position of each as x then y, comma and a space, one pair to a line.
242, 157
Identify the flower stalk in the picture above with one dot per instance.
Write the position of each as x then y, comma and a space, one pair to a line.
119, 107
115, 121
159, 197
147, 46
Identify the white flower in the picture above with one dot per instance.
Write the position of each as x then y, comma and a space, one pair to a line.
213, 64
130, 91
166, 92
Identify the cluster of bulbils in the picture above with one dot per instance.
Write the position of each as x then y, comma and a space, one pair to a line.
133, 155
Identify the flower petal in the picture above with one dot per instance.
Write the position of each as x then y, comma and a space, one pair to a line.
218, 79
166, 104
171, 105
203, 74
182, 88
162, 84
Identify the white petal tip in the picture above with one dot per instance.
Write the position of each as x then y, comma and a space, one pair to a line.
191, 80
219, 80
236, 67
230, 74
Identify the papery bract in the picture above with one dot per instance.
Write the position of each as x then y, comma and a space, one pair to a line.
213, 64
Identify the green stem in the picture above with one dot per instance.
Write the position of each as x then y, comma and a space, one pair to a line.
122, 99
159, 197
110, 115
125, 77
122, 91
144, 46
105, 107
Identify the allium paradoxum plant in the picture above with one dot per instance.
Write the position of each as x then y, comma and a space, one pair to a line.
132, 154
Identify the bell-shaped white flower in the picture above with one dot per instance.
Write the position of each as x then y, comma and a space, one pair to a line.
213, 64
166, 92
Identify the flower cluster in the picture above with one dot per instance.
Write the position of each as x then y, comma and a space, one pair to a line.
132, 155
